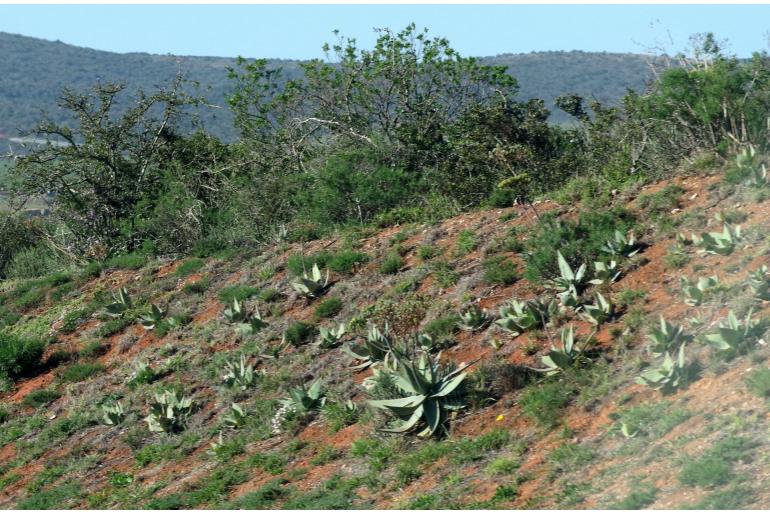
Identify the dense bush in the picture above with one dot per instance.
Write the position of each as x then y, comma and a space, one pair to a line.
19, 356
342, 261
420, 135
579, 241
299, 333
40, 398
17, 236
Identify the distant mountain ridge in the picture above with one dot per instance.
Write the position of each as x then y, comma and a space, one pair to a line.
34, 71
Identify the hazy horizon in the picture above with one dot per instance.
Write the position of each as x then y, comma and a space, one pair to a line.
298, 31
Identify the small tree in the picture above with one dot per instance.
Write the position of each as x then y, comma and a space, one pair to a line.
99, 172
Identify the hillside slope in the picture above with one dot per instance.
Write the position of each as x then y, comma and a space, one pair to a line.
524, 440
33, 73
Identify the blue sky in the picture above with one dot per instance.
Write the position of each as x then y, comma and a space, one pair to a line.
297, 31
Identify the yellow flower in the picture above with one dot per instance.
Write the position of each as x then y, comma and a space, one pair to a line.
500, 417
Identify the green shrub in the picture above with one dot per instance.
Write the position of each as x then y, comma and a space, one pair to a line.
344, 261
40, 398
392, 264
113, 326
502, 198
34, 261
298, 263
661, 202
198, 287
189, 267
444, 274
92, 270
328, 308
207, 247
579, 242
339, 415
237, 292
263, 497
299, 333
714, 467
269, 295
500, 270
8, 318
442, 329
30, 299
428, 252
73, 319
466, 242
544, 403
19, 356
92, 350
58, 293
132, 261
60, 496
80, 371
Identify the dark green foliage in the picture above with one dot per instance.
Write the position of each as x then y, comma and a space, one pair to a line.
505, 493
189, 267
500, 270
113, 326
502, 197
8, 317
237, 291
92, 350
579, 242
80, 371
144, 376
344, 261
428, 252
327, 308
40, 398
392, 264
341, 262
442, 329
132, 261
92, 270
343, 193
299, 333
198, 287
58, 293
269, 295
19, 356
